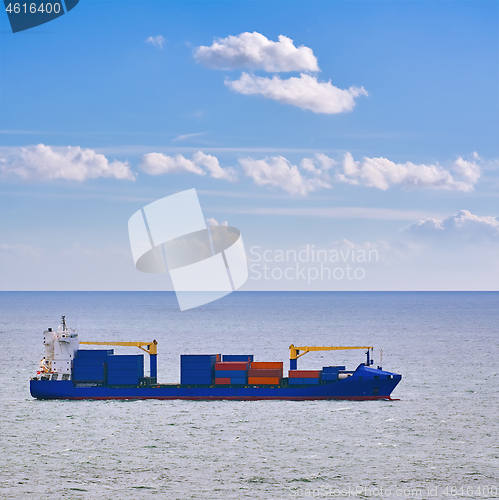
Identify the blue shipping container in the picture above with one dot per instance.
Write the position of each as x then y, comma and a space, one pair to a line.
198, 368
311, 381
236, 380
195, 373
198, 358
94, 353
124, 373
89, 369
130, 359
330, 376
295, 381
125, 366
237, 357
326, 369
89, 362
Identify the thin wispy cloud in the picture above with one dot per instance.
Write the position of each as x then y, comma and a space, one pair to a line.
375, 213
41, 162
17, 249
255, 51
186, 137
21, 132
156, 41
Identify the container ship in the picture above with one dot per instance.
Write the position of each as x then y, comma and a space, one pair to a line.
68, 372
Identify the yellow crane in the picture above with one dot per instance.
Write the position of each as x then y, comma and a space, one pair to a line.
150, 347
297, 352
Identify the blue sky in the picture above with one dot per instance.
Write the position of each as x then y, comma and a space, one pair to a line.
91, 80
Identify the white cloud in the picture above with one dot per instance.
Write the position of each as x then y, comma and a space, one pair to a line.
324, 164
279, 172
464, 226
321, 172
159, 163
213, 222
255, 51
382, 173
157, 41
305, 92
212, 164
468, 170
71, 163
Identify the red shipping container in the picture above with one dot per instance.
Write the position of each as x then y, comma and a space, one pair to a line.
267, 365
222, 381
264, 380
264, 373
304, 373
231, 365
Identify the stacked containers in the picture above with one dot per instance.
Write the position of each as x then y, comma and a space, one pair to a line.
304, 377
231, 372
125, 370
89, 365
198, 368
265, 373
330, 373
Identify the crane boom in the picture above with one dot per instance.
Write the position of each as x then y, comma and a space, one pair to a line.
151, 349
295, 352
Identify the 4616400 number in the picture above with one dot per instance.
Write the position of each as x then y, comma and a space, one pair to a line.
33, 8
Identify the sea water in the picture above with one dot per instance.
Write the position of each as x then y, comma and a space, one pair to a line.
439, 440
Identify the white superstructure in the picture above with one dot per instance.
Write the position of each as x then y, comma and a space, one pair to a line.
60, 350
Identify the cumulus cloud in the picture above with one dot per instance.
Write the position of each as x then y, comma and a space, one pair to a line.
382, 173
305, 92
464, 226
213, 222
199, 164
321, 171
279, 172
255, 51
71, 163
157, 41
469, 170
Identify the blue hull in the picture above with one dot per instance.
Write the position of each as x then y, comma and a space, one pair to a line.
362, 385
